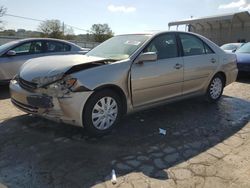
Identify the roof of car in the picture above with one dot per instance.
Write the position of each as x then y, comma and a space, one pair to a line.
50, 39
28, 39
234, 43
154, 32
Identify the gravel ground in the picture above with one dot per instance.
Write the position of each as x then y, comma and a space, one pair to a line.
206, 145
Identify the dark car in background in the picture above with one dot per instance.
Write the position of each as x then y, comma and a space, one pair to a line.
243, 58
15, 53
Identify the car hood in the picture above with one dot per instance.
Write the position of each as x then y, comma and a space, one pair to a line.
48, 69
243, 58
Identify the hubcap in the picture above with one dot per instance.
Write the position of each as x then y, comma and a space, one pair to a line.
104, 113
216, 88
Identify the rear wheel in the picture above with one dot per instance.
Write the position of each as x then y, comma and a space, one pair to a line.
215, 88
102, 112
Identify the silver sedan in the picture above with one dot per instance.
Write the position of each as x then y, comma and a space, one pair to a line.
124, 74
14, 54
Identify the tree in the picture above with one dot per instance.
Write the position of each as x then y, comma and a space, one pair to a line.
55, 29
51, 28
101, 32
2, 12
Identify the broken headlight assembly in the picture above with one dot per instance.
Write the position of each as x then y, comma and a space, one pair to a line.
66, 83
15, 79
60, 87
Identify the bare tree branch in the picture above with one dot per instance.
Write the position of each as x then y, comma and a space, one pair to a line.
2, 12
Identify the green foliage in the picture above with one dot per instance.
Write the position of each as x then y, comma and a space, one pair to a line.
56, 29
51, 29
101, 32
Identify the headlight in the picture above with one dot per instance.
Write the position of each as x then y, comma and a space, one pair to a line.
15, 79
59, 88
47, 80
69, 83
55, 85
66, 83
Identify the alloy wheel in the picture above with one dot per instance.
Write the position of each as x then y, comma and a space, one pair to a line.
104, 113
216, 88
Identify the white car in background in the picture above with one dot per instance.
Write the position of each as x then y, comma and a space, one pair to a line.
15, 53
231, 47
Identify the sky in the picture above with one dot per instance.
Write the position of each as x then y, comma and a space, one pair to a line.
123, 16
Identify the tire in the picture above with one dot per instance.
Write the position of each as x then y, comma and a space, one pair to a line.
215, 88
107, 116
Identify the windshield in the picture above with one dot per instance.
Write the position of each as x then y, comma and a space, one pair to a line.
230, 46
7, 45
244, 49
119, 47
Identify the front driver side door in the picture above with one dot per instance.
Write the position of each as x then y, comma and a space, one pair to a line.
25, 51
161, 79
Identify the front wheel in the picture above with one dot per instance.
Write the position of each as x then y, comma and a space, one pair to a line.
215, 88
102, 112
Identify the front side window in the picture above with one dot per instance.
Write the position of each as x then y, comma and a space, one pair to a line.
8, 45
164, 45
28, 48
208, 50
192, 45
23, 48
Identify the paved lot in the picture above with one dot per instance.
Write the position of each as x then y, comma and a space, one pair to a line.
206, 145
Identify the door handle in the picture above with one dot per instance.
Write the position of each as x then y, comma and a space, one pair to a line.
213, 60
177, 66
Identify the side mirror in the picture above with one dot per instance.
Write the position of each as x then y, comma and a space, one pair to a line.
11, 53
234, 50
148, 56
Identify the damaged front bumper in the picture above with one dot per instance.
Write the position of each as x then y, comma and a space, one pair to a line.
67, 108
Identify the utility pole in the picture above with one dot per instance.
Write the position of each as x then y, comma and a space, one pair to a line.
63, 27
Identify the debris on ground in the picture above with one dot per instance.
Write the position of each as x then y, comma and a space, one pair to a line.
141, 120
162, 131
113, 177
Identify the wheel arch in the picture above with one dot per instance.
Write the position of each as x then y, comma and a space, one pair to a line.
115, 89
223, 76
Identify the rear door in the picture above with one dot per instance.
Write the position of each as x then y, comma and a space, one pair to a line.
161, 79
200, 62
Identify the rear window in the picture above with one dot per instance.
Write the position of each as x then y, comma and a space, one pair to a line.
192, 45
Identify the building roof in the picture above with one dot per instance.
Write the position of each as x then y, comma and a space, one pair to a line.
241, 16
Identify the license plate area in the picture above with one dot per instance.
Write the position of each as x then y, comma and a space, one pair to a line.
42, 101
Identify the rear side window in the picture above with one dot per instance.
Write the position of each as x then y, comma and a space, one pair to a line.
164, 45
54, 46
192, 45
208, 50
